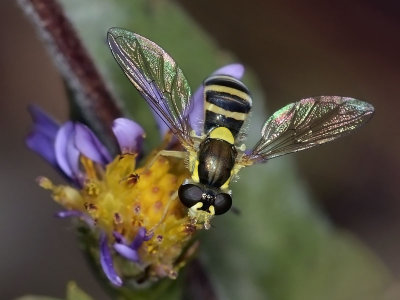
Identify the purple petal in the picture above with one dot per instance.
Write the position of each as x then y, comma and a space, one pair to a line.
127, 252
41, 138
67, 155
106, 261
162, 126
75, 213
43, 122
42, 145
129, 135
196, 115
89, 145
68, 213
156, 93
119, 238
139, 238
235, 70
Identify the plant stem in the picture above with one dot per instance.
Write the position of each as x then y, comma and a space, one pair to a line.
74, 63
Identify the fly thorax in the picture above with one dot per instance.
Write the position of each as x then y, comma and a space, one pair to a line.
216, 161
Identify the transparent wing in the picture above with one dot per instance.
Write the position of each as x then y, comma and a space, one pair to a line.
307, 123
156, 76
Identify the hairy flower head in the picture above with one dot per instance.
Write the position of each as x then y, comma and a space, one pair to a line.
134, 210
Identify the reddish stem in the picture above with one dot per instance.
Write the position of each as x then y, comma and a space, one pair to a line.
74, 62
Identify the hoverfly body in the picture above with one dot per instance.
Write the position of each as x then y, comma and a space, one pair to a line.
215, 156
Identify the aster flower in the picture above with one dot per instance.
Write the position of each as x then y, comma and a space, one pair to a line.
130, 205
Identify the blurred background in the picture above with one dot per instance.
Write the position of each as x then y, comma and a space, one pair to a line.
296, 49
348, 48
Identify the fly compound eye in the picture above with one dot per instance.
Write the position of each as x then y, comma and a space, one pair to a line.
190, 194
222, 203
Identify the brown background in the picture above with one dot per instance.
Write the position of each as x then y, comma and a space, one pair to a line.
297, 49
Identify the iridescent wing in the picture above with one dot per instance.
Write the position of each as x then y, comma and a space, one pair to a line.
157, 78
307, 123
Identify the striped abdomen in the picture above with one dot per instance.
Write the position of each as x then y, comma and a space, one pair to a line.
227, 103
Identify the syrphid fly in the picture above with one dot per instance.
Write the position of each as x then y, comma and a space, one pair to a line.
215, 155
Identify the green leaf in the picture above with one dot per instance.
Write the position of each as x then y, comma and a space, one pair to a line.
75, 293
280, 246
165, 289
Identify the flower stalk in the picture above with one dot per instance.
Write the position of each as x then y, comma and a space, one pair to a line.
74, 63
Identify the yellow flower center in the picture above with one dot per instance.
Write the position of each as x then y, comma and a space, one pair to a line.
121, 198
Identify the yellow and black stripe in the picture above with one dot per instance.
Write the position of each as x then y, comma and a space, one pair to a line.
227, 103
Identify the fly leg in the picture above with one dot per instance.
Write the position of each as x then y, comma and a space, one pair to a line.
167, 153
172, 198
